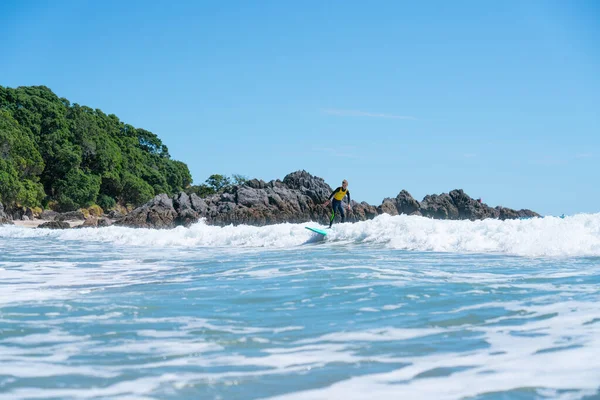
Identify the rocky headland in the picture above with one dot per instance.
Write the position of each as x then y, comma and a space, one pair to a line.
299, 197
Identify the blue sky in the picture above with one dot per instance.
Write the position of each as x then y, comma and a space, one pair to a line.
501, 99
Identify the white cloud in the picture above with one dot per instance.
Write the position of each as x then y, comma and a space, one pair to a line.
354, 113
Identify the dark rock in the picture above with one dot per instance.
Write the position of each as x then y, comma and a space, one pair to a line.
250, 197
362, 211
198, 204
439, 207
507, 213
406, 204
54, 225
388, 207
104, 222
469, 208
48, 215
17, 213
91, 222
157, 213
5, 219
70, 216
187, 217
298, 198
182, 202
114, 214
227, 197
525, 213
256, 184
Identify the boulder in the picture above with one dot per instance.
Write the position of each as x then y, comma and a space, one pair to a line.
439, 207
70, 216
5, 219
91, 222
406, 204
157, 213
48, 215
114, 214
388, 206
54, 225
198, 204
104, 222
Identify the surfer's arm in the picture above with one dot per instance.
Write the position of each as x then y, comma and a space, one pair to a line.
348, 194
331, 195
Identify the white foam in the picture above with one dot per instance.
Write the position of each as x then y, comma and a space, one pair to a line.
577, 235
561, 356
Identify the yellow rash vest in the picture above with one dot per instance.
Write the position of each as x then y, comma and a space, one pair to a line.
339, 194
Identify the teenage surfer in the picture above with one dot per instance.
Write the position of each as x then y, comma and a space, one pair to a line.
338, 195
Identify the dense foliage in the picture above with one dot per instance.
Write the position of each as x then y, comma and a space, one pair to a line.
73, 156
217, 184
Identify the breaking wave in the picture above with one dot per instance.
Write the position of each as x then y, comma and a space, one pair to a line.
572, 236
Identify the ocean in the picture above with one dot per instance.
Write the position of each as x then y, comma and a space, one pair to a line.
393, 308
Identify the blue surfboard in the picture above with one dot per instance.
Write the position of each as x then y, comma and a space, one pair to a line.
319, 231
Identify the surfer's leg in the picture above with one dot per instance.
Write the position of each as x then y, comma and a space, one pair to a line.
342, 214
335, 205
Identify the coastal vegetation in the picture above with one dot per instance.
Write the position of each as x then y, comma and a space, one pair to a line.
65, 156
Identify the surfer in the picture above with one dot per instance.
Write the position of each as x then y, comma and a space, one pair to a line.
338, 195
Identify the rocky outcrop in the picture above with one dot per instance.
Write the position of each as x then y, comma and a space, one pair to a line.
70, 216
5, 219
103, 222
115, 215
54, 225
91, 222
507, 213
298, 198
469, 208
17, 213
458, 205
404, 203
95, 222
48, 215
362, 211
157, 213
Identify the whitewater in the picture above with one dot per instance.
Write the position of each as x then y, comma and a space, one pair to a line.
395, 307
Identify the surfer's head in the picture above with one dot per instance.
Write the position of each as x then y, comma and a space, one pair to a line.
344, 183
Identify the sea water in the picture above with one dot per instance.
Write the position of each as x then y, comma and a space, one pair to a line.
392, 308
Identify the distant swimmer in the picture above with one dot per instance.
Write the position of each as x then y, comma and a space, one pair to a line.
338, 195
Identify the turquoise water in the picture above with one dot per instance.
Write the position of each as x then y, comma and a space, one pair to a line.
276, 312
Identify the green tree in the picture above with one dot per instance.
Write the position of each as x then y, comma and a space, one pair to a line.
9, 184
31, 194
239, 179
78, 153
218, 182
201, 190
106, 202
20, 164
136, 191
77, 189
